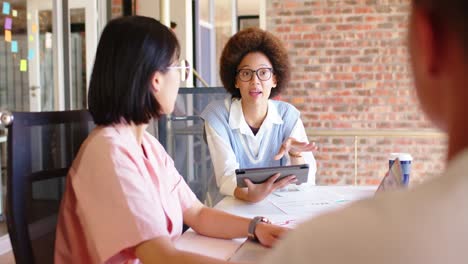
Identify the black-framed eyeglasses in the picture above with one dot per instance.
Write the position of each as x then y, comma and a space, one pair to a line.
184, 67
263, 74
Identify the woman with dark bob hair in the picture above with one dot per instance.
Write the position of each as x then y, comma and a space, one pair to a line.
124, 201
250, 130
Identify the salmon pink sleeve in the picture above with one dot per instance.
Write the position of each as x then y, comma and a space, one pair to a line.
115, 202
178, 185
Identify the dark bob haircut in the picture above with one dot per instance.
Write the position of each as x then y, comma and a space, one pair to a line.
254, 40
130, 51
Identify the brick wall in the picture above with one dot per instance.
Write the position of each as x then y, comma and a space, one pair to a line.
351, 71
116, 8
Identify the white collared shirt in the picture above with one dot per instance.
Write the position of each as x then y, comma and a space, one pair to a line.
222, 154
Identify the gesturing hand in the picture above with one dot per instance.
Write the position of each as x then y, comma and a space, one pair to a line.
292, 145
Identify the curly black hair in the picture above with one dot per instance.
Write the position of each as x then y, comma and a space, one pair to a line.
254, 40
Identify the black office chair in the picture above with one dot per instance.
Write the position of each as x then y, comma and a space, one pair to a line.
41, 147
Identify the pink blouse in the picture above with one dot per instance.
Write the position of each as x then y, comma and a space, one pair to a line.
116, 198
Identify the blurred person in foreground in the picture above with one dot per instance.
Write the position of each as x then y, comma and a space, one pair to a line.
427, 224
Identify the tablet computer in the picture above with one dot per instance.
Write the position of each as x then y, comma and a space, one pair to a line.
260, 175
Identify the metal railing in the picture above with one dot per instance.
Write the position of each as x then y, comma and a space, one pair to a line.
356, 134
5, 119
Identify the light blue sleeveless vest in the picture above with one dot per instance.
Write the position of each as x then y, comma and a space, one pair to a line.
217, 116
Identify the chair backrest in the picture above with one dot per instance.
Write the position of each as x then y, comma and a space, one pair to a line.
182, 134
41, 147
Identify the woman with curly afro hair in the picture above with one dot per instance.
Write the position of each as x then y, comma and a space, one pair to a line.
249, 129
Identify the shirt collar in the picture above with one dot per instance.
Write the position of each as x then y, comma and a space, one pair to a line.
273, 115
237, 120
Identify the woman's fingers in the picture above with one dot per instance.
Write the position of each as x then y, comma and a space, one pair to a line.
269, 241
283, 149
303, 147
312, 146
285, 182
270, 234
281, 153
273, 178
258, 192
291, 144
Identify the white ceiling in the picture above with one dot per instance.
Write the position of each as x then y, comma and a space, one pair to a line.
248, 7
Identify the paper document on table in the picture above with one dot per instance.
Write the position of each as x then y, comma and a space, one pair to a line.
315, 201
346, 193
242, 208
304, 204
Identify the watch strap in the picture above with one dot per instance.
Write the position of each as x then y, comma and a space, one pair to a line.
253, 225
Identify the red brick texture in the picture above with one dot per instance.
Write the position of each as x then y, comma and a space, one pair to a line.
351, 71
116, 8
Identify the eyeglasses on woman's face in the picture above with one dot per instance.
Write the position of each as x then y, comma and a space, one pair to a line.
263, 74
184, 67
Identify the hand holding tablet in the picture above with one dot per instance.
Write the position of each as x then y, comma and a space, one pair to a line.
260, 175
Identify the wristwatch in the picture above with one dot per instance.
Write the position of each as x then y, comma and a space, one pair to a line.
253, 226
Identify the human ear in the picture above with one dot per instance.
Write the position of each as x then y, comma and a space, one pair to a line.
430, 40
236, 83
156, 82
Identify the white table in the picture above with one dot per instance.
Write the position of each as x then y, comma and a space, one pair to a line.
285, 208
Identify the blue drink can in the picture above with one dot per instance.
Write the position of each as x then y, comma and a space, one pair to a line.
405, 162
